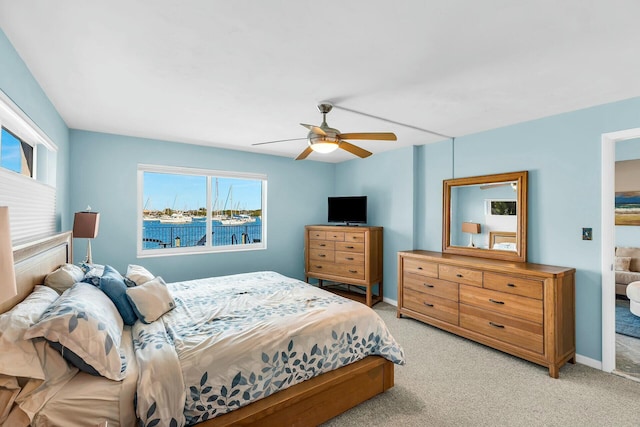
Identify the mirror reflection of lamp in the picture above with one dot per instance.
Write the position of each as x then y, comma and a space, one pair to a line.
8, 288
85, 226
471, 228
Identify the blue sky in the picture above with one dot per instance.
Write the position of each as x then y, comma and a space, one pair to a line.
10, 156
186, 192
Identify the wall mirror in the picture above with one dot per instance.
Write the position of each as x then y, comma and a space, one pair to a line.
486, 216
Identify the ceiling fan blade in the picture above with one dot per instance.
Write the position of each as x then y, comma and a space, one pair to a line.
360, 152
374, 136
279, 140
304, 154
315, 129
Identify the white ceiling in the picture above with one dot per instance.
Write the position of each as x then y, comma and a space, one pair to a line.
232, 73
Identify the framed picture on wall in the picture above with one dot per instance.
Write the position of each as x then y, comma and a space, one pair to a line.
627, 205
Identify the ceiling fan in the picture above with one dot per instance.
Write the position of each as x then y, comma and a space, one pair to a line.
513, 185
324, 139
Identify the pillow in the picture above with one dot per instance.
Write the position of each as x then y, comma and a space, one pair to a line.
112, 284
85, 321
18, 355
623, 263
92, 273
138, 274
151, 300
64, 277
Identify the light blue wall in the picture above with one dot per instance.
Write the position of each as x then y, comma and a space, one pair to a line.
628, 235
104, 176
389, 205
17, 82
562, 155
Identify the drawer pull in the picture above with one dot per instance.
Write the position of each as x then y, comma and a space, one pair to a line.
322, 255
428, 285
459, 275
419, 268
511, 285
349, 247
496, 302
353, 271
318, 266
322, 245
349, 259
427, 304
495, 325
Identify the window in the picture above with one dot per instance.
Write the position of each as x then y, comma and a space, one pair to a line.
183, 210
27, 173
15, 154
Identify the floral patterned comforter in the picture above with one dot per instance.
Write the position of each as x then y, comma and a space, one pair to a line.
232, 340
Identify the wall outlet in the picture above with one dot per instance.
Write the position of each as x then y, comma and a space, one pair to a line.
587, 234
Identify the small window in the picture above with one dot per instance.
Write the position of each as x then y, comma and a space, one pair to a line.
501, 207
15, 154
193, 211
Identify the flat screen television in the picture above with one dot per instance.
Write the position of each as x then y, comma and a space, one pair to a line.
348, 210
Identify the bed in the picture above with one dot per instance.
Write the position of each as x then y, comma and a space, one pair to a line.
246, 395
503, 240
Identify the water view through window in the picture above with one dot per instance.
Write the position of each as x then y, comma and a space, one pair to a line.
177, 207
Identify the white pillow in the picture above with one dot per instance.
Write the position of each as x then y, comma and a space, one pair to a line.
138, 274
150, 300
85, 325
18, 355
64, 277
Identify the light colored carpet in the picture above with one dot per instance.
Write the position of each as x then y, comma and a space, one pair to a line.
452, 381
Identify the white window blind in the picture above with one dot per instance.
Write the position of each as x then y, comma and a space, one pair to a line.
32, 205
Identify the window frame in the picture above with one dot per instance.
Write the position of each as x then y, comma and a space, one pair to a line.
209, 174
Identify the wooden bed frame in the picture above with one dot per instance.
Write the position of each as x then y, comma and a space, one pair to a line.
309, 403
502, 237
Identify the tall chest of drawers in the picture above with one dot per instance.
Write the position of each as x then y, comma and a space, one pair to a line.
527, 310
345, 255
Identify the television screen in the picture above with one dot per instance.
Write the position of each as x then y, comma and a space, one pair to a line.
349, 210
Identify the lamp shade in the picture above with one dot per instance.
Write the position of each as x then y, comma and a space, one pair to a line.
8, 288
85, 225
471, 227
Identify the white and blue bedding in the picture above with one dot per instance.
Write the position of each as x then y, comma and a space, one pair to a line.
232, 340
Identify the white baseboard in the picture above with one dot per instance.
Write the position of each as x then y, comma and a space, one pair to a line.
584, 360
390, 301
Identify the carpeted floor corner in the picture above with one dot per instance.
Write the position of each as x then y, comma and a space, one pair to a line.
452, 381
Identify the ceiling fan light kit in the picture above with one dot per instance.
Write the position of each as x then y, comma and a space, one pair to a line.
324, 139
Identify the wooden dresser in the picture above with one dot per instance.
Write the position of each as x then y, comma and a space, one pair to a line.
527, 310
345, 255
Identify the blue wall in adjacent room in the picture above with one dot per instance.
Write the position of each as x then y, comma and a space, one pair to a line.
104, 176
628, 235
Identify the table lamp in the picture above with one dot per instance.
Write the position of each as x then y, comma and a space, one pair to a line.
471, 228
85, 226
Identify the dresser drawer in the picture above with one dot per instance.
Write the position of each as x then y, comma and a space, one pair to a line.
354, 237
342, 270
509, 329
350, 247
460, 275
430, 305
503, 303
417, 266
513, 285
322, 254
322, 244
431, 286
337, 236
349, 258
317, 234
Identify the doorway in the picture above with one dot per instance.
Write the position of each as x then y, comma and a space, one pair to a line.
608, 243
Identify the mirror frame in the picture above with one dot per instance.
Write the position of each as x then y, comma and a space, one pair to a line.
520, 255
